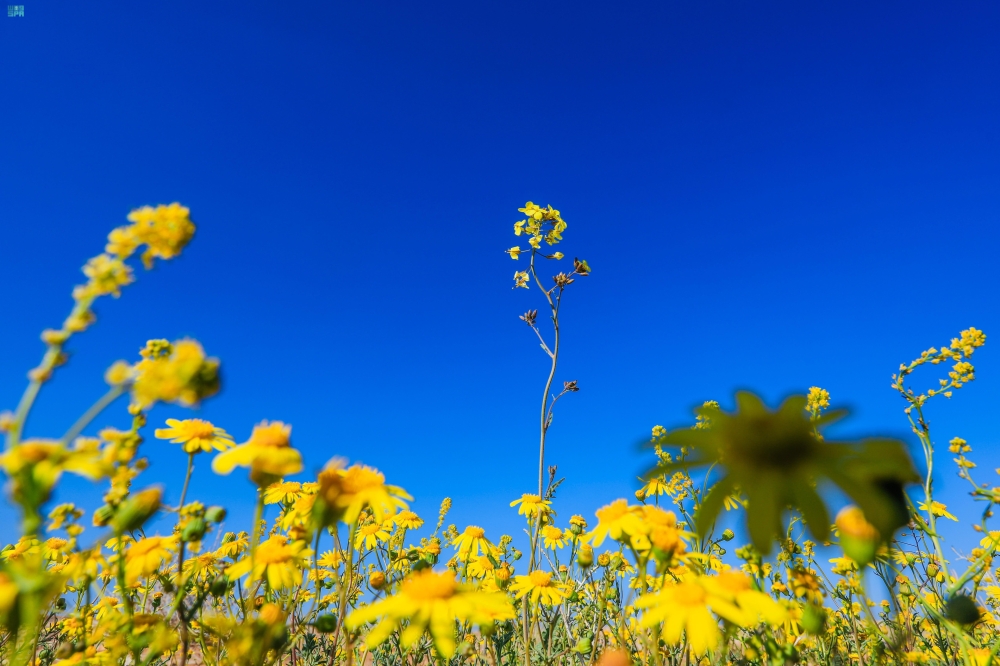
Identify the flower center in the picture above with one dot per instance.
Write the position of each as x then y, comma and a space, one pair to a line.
540, 578
690, 594
430, 586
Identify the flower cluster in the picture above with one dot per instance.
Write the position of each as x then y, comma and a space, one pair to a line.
336, 568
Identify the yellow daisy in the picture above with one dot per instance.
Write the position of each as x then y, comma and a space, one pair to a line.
195, 435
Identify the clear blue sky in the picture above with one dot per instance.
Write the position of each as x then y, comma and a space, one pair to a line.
772, 196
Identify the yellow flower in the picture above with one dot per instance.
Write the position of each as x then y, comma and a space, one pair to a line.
430, 602
521, 279
233, 544
176, 373
686, 608
282, 492
346, 492
531, 504
616, 520
480, 567
408, 520
938, 509
553, 537
330, 559
195, 435
513, 252
471, 542
541, 588
107, 275
35, 466
268, 453
165, 230
369, 535
817, 400
144, 557
276, 560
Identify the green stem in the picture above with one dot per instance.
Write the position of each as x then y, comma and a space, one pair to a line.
102, 403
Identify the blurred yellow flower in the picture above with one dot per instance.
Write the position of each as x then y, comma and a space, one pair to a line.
345, 493
176, 373
107, 275
144, 557
268, 453
616, 520
164, 230
276, 560
430, 602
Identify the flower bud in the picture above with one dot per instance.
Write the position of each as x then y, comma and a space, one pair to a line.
194, 530
814, 619
376, 581
585, 557
136, 510
325, 623
215, 514
858, 538
103, 515
728, 535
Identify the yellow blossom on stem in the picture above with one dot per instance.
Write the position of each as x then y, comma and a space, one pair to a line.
145, 557
268, 453
540, 588
430, 602
195, 435
531, 504
471, 542
276, 560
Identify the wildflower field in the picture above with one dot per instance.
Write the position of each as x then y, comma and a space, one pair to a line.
339, 570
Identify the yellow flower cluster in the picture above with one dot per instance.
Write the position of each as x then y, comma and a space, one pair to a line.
336, 568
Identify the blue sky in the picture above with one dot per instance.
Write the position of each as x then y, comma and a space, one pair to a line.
771, 195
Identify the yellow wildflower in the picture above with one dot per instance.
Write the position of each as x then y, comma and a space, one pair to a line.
346, 492
107, 275
144, 557
276, 560
531, 505
282, 492
268, 453
369, 535
430, 602
165, 230
471, 542
195, 435
541, 588
553, 537
176, 373
937, 508
408, 520
616, 520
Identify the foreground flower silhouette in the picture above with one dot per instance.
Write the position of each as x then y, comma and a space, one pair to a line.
777, 457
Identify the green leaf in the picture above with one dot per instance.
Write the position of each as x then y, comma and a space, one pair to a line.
712, 505
813, 509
